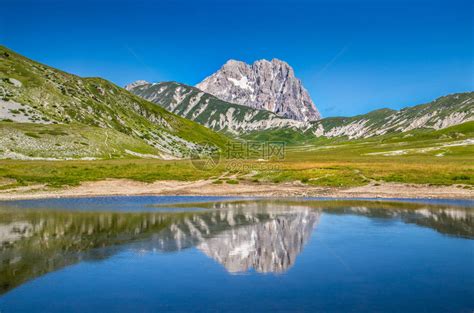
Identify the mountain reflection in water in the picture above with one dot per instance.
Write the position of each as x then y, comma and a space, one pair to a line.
265, 236
267, 246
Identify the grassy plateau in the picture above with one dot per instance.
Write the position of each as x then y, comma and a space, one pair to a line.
435, 157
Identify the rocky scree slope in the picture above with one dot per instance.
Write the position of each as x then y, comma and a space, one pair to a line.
208, 110
441, 113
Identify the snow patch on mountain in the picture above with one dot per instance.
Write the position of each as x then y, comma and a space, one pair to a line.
243, 83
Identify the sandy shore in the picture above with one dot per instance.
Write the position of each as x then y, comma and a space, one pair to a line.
114, 187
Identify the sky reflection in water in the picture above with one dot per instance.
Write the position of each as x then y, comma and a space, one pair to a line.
136, 254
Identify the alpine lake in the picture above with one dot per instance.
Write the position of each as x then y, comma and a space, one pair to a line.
215, 254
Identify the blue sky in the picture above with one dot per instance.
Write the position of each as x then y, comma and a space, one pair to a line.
352, 56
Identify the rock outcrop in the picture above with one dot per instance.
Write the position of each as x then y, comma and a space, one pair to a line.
265, 85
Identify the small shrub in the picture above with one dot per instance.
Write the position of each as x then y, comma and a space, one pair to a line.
33, 135
461, 177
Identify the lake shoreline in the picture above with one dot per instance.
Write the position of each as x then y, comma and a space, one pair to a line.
123, 187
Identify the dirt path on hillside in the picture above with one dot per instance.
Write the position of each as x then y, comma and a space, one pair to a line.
114, 187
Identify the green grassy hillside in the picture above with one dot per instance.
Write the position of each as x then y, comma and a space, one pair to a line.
36, 94
30, 141
441, 113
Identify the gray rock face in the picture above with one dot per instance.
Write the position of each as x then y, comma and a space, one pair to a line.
268, 85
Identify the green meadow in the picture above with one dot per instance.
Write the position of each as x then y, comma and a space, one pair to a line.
444, 157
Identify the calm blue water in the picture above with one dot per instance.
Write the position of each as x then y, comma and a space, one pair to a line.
117, 203
250, 256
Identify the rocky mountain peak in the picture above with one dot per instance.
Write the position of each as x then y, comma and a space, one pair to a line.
136, 84
232, 62
274, 64
268, 85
